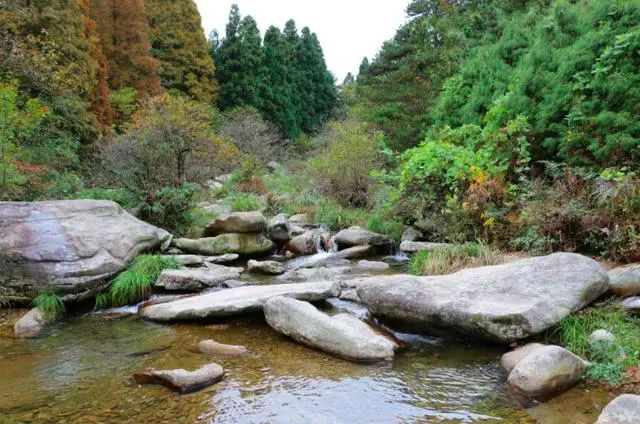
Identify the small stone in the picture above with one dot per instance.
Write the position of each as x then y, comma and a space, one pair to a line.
211, 347
30, 325
181, 380
265, 267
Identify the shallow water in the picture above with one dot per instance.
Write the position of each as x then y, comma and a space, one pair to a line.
81, 370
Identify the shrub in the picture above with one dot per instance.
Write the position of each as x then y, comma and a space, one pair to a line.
51, 305
449, 259
343, 169
134, 284
121, 196
245, 202
573, 333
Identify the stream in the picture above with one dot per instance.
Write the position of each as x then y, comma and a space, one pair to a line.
80, 371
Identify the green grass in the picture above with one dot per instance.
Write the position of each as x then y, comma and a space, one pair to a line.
449, 259
50, 304
573, 333
389, 227
134, 284
245, 202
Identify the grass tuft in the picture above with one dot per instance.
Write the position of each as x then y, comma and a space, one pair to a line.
449, 259
245, 202
50, 304
608, 364
134, 284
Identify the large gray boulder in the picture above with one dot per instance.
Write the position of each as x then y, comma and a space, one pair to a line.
181, 380
502, 303
70, 247
510, 359
236, 222
237, 300
196, 279
308, 243
278, 229
625, 409
342, 335
625, 281
245, 244
546, 372
356, 236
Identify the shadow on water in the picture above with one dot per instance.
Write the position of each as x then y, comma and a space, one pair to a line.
81, 370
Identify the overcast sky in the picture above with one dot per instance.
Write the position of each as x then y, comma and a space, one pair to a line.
347, 29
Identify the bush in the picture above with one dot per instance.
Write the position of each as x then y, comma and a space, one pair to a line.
134, 284
449, 259
51, 305
245, 202
343, 169
121, 196
573, 333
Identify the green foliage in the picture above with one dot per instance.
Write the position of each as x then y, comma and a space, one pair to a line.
50, 304
134, 284
608, 364
245, 202
449, 259
119, 195
389, 226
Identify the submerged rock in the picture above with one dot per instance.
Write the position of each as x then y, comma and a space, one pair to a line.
322, 273
30, 325
546, 372
625, 281
72, 247
236, 222
265, 267
373, 265
625, 409
356, 236
237, 300
242, 244
181, 380
342, 335
196, 279
503, 303
211, 347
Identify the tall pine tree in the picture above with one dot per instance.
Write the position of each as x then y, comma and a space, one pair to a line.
178, 42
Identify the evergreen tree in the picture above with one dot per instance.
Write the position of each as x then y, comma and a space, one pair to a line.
349, 79
123, 30
364, 68
178, 43
228, 58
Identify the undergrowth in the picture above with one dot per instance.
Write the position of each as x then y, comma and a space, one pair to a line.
611, 363
134, 284
50, 304
451, 258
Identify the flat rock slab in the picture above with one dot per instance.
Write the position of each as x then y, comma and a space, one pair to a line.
238, 243
196, 279
421, 246
180, 380
237, 222
502, 303
71, 247
342, 335
237, 300
625, 409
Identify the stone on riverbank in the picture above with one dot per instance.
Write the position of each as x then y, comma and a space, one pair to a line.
625, 409
30, 325
355, 252
237, 300
242, 244
196, 279
180, 380
342, 335
72, 247
357, 236
265, 267
307, 243
625, 281
503, 303
222, 259
278, 229
420, 246
186, 260
211, 347
510, 359
236, 222
546, 372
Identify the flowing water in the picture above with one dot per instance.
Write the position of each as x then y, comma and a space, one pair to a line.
81, 370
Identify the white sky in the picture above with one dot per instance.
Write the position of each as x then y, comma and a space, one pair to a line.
348, 30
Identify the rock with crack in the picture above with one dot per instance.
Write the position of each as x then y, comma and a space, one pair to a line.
239, 243
180, 380
502, 303
265, 267
196, 279
546, 372
71, 247
236, 222
237, 300
625, 409
342, 335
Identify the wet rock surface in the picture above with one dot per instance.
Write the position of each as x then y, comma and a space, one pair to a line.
211, 347
30, 325
180, 380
